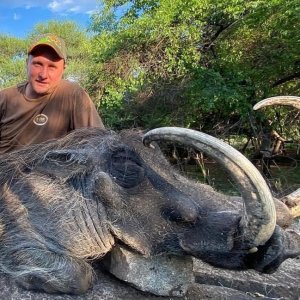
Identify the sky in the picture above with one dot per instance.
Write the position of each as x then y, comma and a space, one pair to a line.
18, 17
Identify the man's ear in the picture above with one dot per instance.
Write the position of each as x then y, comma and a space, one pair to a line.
63, 163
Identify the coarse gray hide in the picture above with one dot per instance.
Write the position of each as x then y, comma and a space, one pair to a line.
66, 203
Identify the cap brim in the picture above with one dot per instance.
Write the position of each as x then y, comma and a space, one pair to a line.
47, 45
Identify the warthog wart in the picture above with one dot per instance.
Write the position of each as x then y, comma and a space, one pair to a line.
67, 202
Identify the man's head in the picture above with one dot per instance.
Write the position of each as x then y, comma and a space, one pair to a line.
45, 65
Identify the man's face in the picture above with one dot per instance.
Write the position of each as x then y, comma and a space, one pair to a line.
44, 70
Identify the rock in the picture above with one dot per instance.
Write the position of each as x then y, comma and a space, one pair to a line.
210, 292
105, 287
283, 284
162, 275
211, 283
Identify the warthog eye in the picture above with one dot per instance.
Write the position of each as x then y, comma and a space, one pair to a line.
126, 168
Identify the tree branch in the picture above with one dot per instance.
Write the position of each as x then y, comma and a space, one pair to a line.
286, 79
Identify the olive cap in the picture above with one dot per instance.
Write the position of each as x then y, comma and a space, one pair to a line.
51, 40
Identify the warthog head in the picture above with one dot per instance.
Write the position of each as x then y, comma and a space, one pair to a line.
69, 201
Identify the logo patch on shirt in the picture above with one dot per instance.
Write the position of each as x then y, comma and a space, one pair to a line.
40, 119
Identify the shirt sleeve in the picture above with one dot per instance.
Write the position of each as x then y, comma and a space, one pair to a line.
85, 113
2, 105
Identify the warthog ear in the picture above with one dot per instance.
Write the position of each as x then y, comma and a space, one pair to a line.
63, 163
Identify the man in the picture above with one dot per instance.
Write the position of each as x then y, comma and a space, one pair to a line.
46, 106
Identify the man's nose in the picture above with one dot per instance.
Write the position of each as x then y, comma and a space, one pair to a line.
43, 73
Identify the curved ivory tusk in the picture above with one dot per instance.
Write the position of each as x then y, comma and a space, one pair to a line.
259, 220
278, 100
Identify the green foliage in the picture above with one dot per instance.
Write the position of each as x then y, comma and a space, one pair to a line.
265, 48
199, 64
12, 60
192, 63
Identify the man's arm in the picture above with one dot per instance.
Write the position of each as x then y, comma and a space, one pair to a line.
85, 113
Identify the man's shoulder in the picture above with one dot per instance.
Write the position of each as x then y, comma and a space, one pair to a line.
13, 89
67, 84
70, 90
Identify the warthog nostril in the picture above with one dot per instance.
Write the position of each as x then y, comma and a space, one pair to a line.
181, 213
189, 213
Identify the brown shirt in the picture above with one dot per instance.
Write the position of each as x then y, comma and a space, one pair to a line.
26, 121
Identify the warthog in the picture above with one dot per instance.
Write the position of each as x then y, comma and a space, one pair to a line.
67, 202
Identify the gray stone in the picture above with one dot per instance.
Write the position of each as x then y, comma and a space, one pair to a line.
105, 287
210, 292
164, 275
219, 285
109, 288
212, 283
283, 284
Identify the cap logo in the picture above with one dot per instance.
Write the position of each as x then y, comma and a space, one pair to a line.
40, 120
50, 39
